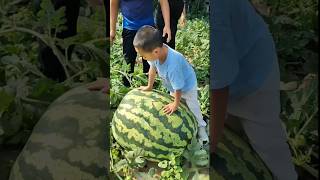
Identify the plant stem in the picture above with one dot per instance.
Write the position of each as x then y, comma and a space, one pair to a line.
314, 172
307, 122
41, 37
34, 101
77, 74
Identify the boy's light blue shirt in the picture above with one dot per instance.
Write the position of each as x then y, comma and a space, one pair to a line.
235, 28
176, 73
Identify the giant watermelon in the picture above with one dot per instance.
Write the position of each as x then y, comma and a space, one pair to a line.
139, 122
69, 140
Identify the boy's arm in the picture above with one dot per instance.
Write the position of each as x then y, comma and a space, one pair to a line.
114, 4
177, 98
166, 17
218, 107
152, 76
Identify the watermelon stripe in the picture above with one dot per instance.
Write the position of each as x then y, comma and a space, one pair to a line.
168, 124
165, 132
145, 141
185, 135
246, 151
140, 122
149, 151
174, 119
184, 111
162, 97
131, 146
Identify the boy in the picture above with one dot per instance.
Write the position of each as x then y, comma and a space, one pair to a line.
136, 13
176, 73
245, 84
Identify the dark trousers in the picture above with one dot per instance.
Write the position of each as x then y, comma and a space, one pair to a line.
49, 63
130, 53
176, 8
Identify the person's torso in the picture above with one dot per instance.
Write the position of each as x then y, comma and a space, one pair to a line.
173, 61
249, 30
247, 25
136, 13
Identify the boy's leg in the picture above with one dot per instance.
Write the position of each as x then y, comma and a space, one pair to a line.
193, 104
259, 114
191, 98
129, 52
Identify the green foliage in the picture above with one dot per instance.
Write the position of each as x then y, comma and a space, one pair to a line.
25, 91
172, 169
300, 114
294, 25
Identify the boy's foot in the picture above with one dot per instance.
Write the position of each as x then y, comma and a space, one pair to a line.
203, 136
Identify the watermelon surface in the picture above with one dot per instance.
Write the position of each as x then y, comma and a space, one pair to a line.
236, 160
139, 122
69, 140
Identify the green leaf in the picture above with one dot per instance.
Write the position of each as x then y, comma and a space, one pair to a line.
163, 164
196, 176
120, 165
142, 175
140, 160
185, 174
130, 156
152, 172
1, 130
6, 100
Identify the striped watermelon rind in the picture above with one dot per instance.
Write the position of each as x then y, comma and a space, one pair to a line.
236, 160
139, 122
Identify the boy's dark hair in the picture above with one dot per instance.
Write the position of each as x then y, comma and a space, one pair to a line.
147, 38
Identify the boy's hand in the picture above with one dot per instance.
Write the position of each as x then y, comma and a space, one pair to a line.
145, 88
170, 108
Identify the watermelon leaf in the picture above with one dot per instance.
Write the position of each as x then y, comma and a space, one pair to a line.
152, 172
6, 100
120, 165
140, 161
163, 164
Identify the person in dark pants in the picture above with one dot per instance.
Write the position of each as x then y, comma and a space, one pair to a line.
49, 63
177, 10
136, 13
